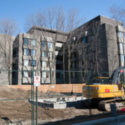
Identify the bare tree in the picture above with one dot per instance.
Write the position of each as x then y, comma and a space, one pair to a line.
55, 18
118, 13
59, 20
7, 28
73, 20
87, 48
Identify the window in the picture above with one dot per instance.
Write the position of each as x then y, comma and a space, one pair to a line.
50, 45
44, 54
33, 62
51, 64
33, 42
124, 37
28, 74
25, 73
26, 42
59, 75
121, 48
26, 52
50, 55
84, 40
43, 44
26, 62
122, 60
120, 35
45, 74
44, 64
33, 52
124, 48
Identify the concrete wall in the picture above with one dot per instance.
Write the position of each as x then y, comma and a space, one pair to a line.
109, 21
56, 35
112, 48
6, 47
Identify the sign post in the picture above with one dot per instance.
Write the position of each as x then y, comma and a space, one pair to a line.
36, 83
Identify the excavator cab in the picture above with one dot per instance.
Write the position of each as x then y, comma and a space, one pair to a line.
121, 84
118, 77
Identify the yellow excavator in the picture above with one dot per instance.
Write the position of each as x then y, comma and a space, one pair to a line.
104, 91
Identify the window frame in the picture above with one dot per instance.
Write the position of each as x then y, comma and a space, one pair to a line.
121, 48
43, 44
32, 64
26, 41
44, 55
26, 52
26, 63
33, 44
50, 55
44, 64
32, 52
25, 72
122, 59
50, 43
47, 74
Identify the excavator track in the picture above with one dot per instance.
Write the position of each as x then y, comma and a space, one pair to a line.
105, 105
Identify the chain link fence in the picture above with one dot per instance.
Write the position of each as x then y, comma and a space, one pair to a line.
17, 105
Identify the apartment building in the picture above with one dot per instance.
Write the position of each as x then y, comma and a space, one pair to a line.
35, 53
96, 48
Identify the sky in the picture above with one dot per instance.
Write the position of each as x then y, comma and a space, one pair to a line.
19, 10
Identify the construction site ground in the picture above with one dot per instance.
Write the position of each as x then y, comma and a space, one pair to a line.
16, 108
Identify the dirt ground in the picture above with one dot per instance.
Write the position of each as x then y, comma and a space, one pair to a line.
14, 106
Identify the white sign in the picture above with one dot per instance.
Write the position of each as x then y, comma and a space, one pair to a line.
52, 86
36, 81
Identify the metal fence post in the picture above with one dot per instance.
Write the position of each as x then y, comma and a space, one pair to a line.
32, 100
36, 105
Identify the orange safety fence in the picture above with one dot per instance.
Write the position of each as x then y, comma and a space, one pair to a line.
60, 88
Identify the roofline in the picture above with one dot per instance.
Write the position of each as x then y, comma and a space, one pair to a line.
111, 19
97, 17
7, 35
66, 33
48, 30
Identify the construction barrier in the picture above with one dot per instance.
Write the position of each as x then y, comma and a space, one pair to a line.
60, 88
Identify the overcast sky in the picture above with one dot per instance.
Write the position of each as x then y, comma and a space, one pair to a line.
21, 9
